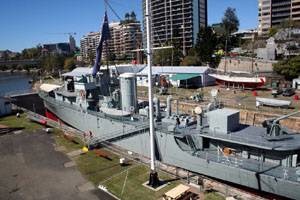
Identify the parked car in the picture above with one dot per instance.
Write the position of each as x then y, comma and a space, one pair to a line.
288, 92
276, 91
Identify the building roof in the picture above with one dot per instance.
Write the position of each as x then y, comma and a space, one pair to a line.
79, 71
128, 68
183, 76
176, 70
49, 87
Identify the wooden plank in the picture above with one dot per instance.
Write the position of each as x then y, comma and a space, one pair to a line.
177, 191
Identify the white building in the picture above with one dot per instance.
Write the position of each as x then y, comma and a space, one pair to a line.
179, 76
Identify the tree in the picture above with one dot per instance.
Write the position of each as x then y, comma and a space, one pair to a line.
230, 21
111, 56
273, 31
192, 59
290, 68
54, 63
206, 45
170, 56
162, 57
127, 17
70, 64
176, 51
91, 57
133, 16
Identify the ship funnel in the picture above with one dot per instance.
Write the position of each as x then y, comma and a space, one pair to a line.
169, 109
157, 108
128, 92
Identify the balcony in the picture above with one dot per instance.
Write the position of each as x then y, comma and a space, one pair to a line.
281, 14
281, 3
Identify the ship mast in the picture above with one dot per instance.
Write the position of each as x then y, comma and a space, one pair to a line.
153, 181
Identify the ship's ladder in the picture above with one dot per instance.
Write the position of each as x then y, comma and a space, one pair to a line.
227, 160
191, 143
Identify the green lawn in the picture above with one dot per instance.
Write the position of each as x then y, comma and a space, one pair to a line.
214, 196
134, 188
23, 122
70, 146
96, 169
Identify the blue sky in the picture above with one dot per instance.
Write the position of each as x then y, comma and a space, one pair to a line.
26, 23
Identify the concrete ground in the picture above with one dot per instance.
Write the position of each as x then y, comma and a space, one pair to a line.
30, 168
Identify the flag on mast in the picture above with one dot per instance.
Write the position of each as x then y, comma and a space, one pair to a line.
104, 35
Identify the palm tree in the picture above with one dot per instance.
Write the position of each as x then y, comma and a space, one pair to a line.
133, 16
127, 16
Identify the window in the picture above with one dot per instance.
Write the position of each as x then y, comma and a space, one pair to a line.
265, 2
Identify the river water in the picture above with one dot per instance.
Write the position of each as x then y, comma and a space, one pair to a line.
14, 84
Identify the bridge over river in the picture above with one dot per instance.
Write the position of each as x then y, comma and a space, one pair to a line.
21, 62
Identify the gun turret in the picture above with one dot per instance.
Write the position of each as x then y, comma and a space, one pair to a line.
275, 131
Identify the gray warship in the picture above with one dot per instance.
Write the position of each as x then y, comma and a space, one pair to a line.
213, 143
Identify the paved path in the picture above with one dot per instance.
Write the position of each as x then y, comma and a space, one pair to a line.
30, 168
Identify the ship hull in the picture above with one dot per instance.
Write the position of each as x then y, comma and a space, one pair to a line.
99, 126
239, 82
169, 152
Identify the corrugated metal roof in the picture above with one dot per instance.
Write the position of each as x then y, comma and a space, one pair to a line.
82, 71
49, 87
79, 71
175, 70
182, 77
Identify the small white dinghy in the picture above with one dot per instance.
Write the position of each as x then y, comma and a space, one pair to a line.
272, 102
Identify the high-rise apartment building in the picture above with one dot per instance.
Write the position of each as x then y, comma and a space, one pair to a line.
125, 37
272, 12
88, 45
168, 15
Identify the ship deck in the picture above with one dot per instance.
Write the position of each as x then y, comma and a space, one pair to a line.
252, 136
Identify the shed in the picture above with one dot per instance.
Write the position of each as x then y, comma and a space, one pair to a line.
5, 106
179, 75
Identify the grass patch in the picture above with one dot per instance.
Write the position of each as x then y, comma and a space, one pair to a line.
23, 122
134, 188
214, 196
97, 177
70, 146
92, 162
94, 167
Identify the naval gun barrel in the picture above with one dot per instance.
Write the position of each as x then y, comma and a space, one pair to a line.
285, 116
